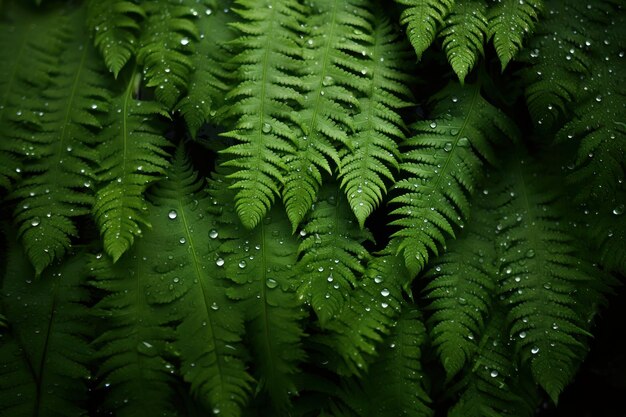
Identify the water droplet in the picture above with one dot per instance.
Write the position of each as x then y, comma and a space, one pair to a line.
176, 280
172, 214
184, 41
35, 222
494, 373
216, 410
267, 128
330, 278
433, 125
208, 12
214, 306
618, 210
534, 350
182, 240
462, 301
530, 253
384, 305
463, 142
522, 335
384, 292
213, 234
271, 283
320, 269
547, 286
219, 262
242, 264
447, 147
378, 279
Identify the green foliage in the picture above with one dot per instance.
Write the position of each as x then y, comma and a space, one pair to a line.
294, 208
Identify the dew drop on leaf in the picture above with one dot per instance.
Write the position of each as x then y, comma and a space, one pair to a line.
172, 214
494, 373
213, 234
271, 283
219, 262
242, 264
534, 350
35, 222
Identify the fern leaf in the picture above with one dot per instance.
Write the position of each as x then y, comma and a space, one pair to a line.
332, 255
390, 394
378, 125
541, 272
558, 57
44, 356
598, 125
210, 80
443, 162
260, 263
208, 336
134, 376
462, 284
60, 154
165, 47
261, 103
115, 25
493, 387
607, 228
423, 19
509, 22
464, 35
354, 334
35, 46
335, 57
132, 156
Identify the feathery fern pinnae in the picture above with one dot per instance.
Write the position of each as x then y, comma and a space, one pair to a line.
44, 355
460, 292
59, 157
378, 125
269, 63
212, 74
208, 338
35, 46
443, 163
332, 255
135, 378
492, 388
115, 26
165, 47
382, 393
357, 329
465, 35
336, 52
598, 123
132, 156
509, 22
423, 19
260, 265
540, 275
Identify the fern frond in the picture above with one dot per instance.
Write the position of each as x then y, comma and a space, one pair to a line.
509, 22
35, 45
606, 225
332, 255
559, 56
165, 47
115, 26
443, 164
464, 35
358, 329
460, 292
44, 356
208, 337
423, 19
493, 387
58, 170
212, 74
386, 393
598, 124
336, 52
378, 126
541, 273
132, 155
134, 375
260, 263
268, 67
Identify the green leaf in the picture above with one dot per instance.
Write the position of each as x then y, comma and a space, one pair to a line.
423, 19
132, 155
265, 122
59, 155
44, 356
